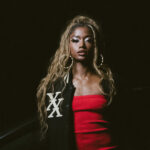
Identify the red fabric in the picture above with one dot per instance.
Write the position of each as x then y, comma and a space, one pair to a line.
89, 126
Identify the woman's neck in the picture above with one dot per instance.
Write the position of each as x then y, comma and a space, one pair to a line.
81, 71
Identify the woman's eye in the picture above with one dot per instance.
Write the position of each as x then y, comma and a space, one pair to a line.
89, 40
75, 40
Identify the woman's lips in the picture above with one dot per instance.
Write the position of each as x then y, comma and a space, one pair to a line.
82, 52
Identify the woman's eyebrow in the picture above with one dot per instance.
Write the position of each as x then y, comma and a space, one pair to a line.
77, 36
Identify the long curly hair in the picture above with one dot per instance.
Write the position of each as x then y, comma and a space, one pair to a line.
57, 67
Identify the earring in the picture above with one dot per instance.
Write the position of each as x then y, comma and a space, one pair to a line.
102, 60
71, 60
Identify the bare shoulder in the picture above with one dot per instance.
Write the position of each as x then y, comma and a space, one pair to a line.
95, 78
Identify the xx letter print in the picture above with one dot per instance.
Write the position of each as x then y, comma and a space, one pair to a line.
54, 103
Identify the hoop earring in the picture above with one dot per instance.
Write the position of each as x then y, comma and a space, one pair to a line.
102, 60
68, 67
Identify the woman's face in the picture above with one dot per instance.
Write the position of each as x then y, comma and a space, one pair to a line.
81, 43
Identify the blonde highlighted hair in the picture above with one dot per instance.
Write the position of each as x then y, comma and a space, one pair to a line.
57, 67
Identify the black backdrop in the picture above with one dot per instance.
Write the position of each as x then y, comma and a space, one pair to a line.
29, 35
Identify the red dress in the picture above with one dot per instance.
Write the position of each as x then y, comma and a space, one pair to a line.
90, 129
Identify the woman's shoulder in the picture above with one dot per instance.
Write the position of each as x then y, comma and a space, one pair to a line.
56, 85
95, 78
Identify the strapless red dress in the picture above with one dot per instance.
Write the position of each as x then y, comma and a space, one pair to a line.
90, 128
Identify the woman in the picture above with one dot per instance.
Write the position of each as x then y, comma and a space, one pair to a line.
76, 90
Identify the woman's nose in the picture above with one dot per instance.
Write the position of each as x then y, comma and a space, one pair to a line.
82, 44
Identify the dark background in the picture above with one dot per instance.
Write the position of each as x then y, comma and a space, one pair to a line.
29, 35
